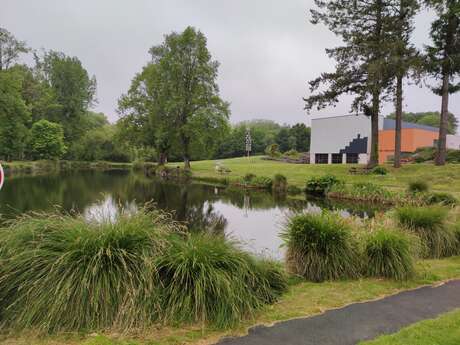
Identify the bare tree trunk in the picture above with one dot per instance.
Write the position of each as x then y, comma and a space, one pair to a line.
162, 158
442, 140
374, 158
186, 151
398, 127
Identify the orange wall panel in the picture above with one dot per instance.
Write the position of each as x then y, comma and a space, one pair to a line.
411, 139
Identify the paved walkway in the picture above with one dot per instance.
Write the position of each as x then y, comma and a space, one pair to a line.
358, 322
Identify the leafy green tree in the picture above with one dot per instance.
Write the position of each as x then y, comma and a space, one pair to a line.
74, 91
365, 28
14, 116
429, 118
187, 85
282, 139
443, 61
302, 136
100, 144
47, 140
10, 49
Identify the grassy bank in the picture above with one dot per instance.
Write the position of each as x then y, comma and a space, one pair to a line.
302, 299
445, 178
47, 167
444, 330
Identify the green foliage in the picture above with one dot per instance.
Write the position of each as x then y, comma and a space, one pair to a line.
64, 273
262, 182
388, 254
321, 247
47, 140
10, 49
80, 275
424, 154
379, 170
207, 279
430, 224
272, 150
363, 191
418, 186
453, 156
294, 190
279, 183
321, 185
14, 116
292, 153
445, 199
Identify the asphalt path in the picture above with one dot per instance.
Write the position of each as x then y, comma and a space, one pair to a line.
358, 322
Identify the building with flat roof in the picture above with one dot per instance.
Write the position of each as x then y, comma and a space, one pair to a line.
347, 139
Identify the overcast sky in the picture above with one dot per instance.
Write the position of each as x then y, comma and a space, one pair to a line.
267, 49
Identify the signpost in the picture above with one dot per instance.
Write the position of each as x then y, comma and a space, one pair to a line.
2, 176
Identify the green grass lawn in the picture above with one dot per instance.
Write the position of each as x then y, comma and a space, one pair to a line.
303, 299
444, 330
445, 178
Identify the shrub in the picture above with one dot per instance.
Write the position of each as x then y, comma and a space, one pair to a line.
418, 187
291, 153
248, 177
262, 182
379, 170
453, 156
430, 224
388, 254
294, 190
321, 185
321, 247
424, 154
279, 183
272, 150
441, 198
363, 191
60, 273
208, 279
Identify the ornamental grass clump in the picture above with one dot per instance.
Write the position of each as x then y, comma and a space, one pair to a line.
430, 224
208, 279
321, 247
61, 273
388, 254
418, 187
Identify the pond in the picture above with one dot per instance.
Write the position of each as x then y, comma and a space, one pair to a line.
254, 218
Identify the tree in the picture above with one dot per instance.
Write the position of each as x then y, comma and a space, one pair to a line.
404, 58
187, 83
365, 28
10, 49
443, 61
429, 118
73, 89
14, 116
282, 139
302, 135
47, 140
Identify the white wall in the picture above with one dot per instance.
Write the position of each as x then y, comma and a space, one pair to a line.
332, 134
453, 142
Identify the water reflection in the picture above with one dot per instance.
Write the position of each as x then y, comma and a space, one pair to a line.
255, 217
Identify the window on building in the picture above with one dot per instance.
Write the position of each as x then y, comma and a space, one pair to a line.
336, 158
321, 158
352, 158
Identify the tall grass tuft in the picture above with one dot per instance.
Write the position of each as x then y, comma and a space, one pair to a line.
430, 224
209, 279
388, 254
60, 273
321, 247
418, 187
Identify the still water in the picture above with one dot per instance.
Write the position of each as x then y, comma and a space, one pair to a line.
252, 217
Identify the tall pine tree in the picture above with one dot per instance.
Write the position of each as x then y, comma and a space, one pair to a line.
404, 59
443, 61
362, 62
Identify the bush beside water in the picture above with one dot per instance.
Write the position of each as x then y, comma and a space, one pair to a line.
61, 273
321, 247
321, 185
388, 254
430, 224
